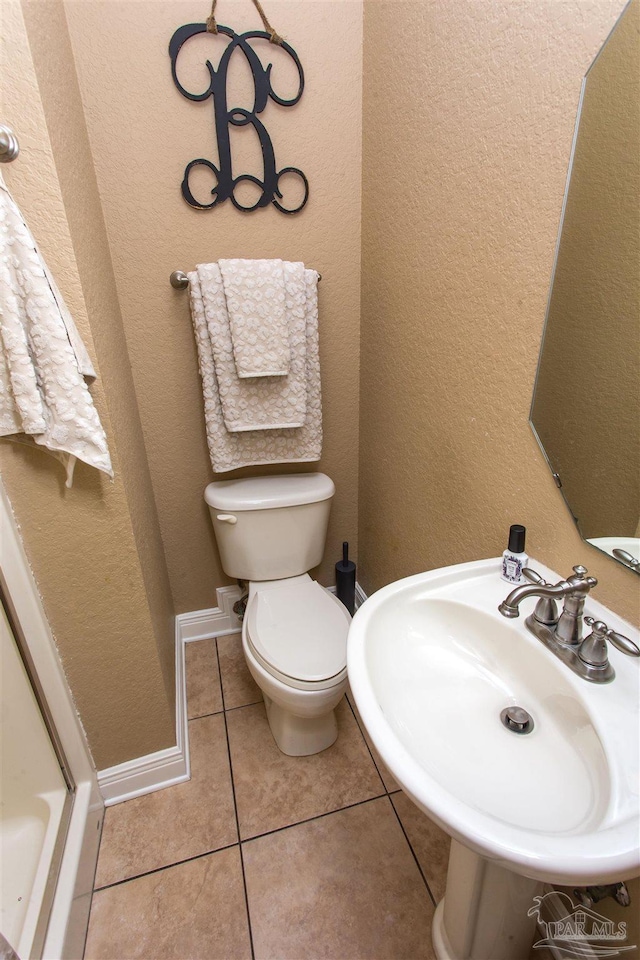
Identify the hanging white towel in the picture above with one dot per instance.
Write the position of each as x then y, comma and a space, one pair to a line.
44, 398
229, 451
256, 403
256, 303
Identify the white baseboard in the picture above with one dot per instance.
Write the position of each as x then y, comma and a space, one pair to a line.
216, 622
168, 767
360, 594
154, 771
144, 775
221, 620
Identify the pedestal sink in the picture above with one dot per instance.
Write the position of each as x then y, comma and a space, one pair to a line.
432, 667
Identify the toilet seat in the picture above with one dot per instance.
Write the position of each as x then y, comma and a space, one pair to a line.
297, 631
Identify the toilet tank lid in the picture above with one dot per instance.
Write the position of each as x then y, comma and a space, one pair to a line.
264, 493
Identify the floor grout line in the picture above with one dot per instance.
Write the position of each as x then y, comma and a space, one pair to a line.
355, 717
214, 713
166, 866
415, 856
389, 795
239, 706
235, 810
318, 816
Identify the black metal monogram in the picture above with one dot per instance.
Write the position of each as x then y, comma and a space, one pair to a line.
238, 117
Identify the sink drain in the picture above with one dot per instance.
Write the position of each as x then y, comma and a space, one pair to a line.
517, 720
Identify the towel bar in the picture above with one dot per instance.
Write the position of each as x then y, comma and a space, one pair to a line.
180, 281
9, 146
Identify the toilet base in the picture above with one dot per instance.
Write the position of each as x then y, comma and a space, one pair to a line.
300, 736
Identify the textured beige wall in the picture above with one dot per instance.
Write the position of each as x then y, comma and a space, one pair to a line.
142, 134
586, 411
67, 130
468, 118
90, 547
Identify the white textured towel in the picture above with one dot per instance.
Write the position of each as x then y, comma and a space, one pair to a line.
44, 398
256, 403
256, 303
229, 451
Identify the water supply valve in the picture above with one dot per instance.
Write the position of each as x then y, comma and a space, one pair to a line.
589, 896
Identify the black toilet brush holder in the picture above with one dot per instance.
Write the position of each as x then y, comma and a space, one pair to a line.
346, 580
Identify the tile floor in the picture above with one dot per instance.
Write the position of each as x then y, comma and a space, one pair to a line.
262, 855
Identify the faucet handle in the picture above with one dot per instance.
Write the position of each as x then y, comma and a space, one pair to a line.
619, 641
627, 558
534, 577
580, 576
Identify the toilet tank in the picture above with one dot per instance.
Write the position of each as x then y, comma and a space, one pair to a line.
269, 528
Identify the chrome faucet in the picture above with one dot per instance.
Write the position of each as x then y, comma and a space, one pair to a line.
562, 634
575, 589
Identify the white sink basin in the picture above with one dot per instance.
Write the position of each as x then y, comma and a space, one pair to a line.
432, 664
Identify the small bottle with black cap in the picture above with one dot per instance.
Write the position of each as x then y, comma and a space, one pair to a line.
514, 559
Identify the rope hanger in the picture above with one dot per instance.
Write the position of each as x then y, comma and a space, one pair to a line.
212, 26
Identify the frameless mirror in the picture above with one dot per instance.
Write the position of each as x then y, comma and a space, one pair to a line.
586, 403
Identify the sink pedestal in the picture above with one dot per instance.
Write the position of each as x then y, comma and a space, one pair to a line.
483, 915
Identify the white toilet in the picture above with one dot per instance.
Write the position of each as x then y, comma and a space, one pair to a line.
270, 531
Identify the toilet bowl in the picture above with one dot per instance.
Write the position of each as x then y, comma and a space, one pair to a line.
270, 531
294, 638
